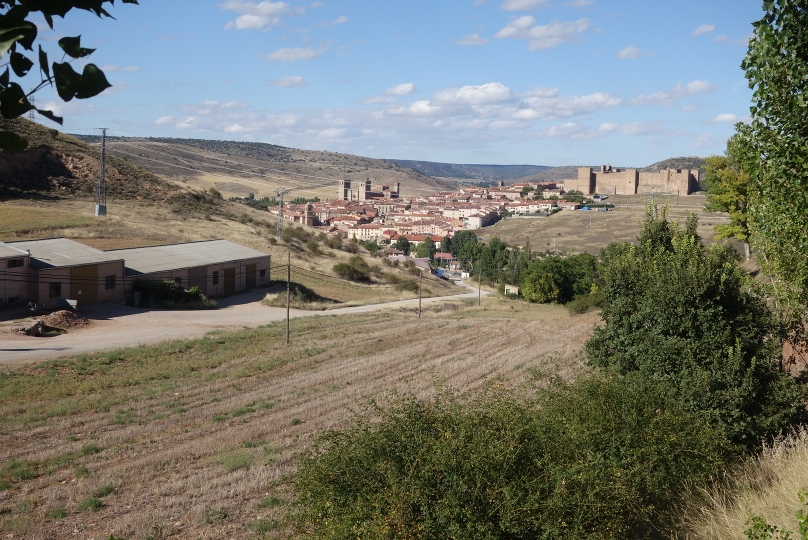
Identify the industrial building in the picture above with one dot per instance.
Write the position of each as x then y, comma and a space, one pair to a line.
217, 267
57, 268
49, 272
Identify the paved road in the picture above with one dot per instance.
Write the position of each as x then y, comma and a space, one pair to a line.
121, 326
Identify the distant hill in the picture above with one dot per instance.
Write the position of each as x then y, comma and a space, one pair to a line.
237, 168
470, 172
692, 162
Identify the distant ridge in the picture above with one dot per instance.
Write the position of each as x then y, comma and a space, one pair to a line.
689, 162
470, 171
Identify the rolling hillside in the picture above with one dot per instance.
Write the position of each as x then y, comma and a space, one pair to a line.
239, 168
471, 172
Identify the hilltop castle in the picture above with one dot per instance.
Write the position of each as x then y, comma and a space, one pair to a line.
613, 181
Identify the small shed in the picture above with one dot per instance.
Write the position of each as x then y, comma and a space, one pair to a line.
511, 290
63, 269
217, 267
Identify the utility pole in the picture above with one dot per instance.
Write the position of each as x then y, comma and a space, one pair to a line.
101, 189
279, 229
480, 288
288, 291
420, 283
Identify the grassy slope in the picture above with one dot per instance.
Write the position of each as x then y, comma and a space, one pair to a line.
197, 436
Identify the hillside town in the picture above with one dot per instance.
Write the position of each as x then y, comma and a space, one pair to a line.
384, 215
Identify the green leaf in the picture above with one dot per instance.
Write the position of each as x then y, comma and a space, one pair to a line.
11, 142
43, 62
67, 80
20, 64
13, 102
93, 82
51, 116
72, 47
8, 38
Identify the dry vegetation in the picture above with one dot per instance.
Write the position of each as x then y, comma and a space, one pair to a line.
571, 232
766, 486
194, 439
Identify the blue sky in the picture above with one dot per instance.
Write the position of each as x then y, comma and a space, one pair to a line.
544, 82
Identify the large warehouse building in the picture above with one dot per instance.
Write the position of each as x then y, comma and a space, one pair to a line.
48, 272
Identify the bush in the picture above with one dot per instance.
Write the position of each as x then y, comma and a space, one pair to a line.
169, 294
689, 316
90, 503
585, 304
408, 285
356, 269
600, 458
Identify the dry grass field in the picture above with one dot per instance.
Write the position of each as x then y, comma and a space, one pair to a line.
16, 220
579, 231
195, 439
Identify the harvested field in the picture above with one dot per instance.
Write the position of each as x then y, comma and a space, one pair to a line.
581, 231
20, 219
194, 439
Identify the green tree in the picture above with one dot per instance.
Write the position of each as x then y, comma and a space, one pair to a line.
526, 190
728, 191
687, 315
446, 244
571, 278
426, 249
573, 196
17, 32
776, 67
402, 244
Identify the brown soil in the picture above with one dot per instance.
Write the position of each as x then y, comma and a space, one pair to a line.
65, 319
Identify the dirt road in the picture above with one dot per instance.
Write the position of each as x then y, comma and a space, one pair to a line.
121, 326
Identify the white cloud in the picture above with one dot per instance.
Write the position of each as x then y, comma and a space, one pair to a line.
543, 36
721, 38
630, 53
235, 128
479, 2
318, 5
342, 19
288, 82
475, 95
472, 40
608, 127
702, 30
163, 120
255, 15
521, 5
726, 117
578, 3
642, 128
294, 54
680, 91
404, 89
113, 68
548, 104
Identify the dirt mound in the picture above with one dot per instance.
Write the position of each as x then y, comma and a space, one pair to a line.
39, 329
65, 319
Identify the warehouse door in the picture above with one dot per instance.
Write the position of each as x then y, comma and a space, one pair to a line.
229, 281
251, 275
198, 277
84, 284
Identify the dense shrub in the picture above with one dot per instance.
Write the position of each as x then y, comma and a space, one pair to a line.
601, 458
687, 314
356, 269
559, 279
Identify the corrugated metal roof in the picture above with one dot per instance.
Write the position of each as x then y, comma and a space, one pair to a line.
150, 260
62, 253
10, 252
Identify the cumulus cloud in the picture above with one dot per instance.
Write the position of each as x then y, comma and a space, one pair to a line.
726, 117
163, 120
543, 36
113, 68
472, 40
521, 5
255, 15
630, 53
680, 91
404, 89
608, 127
475, 95
703, 29
288, 82
548, 104
294, 54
